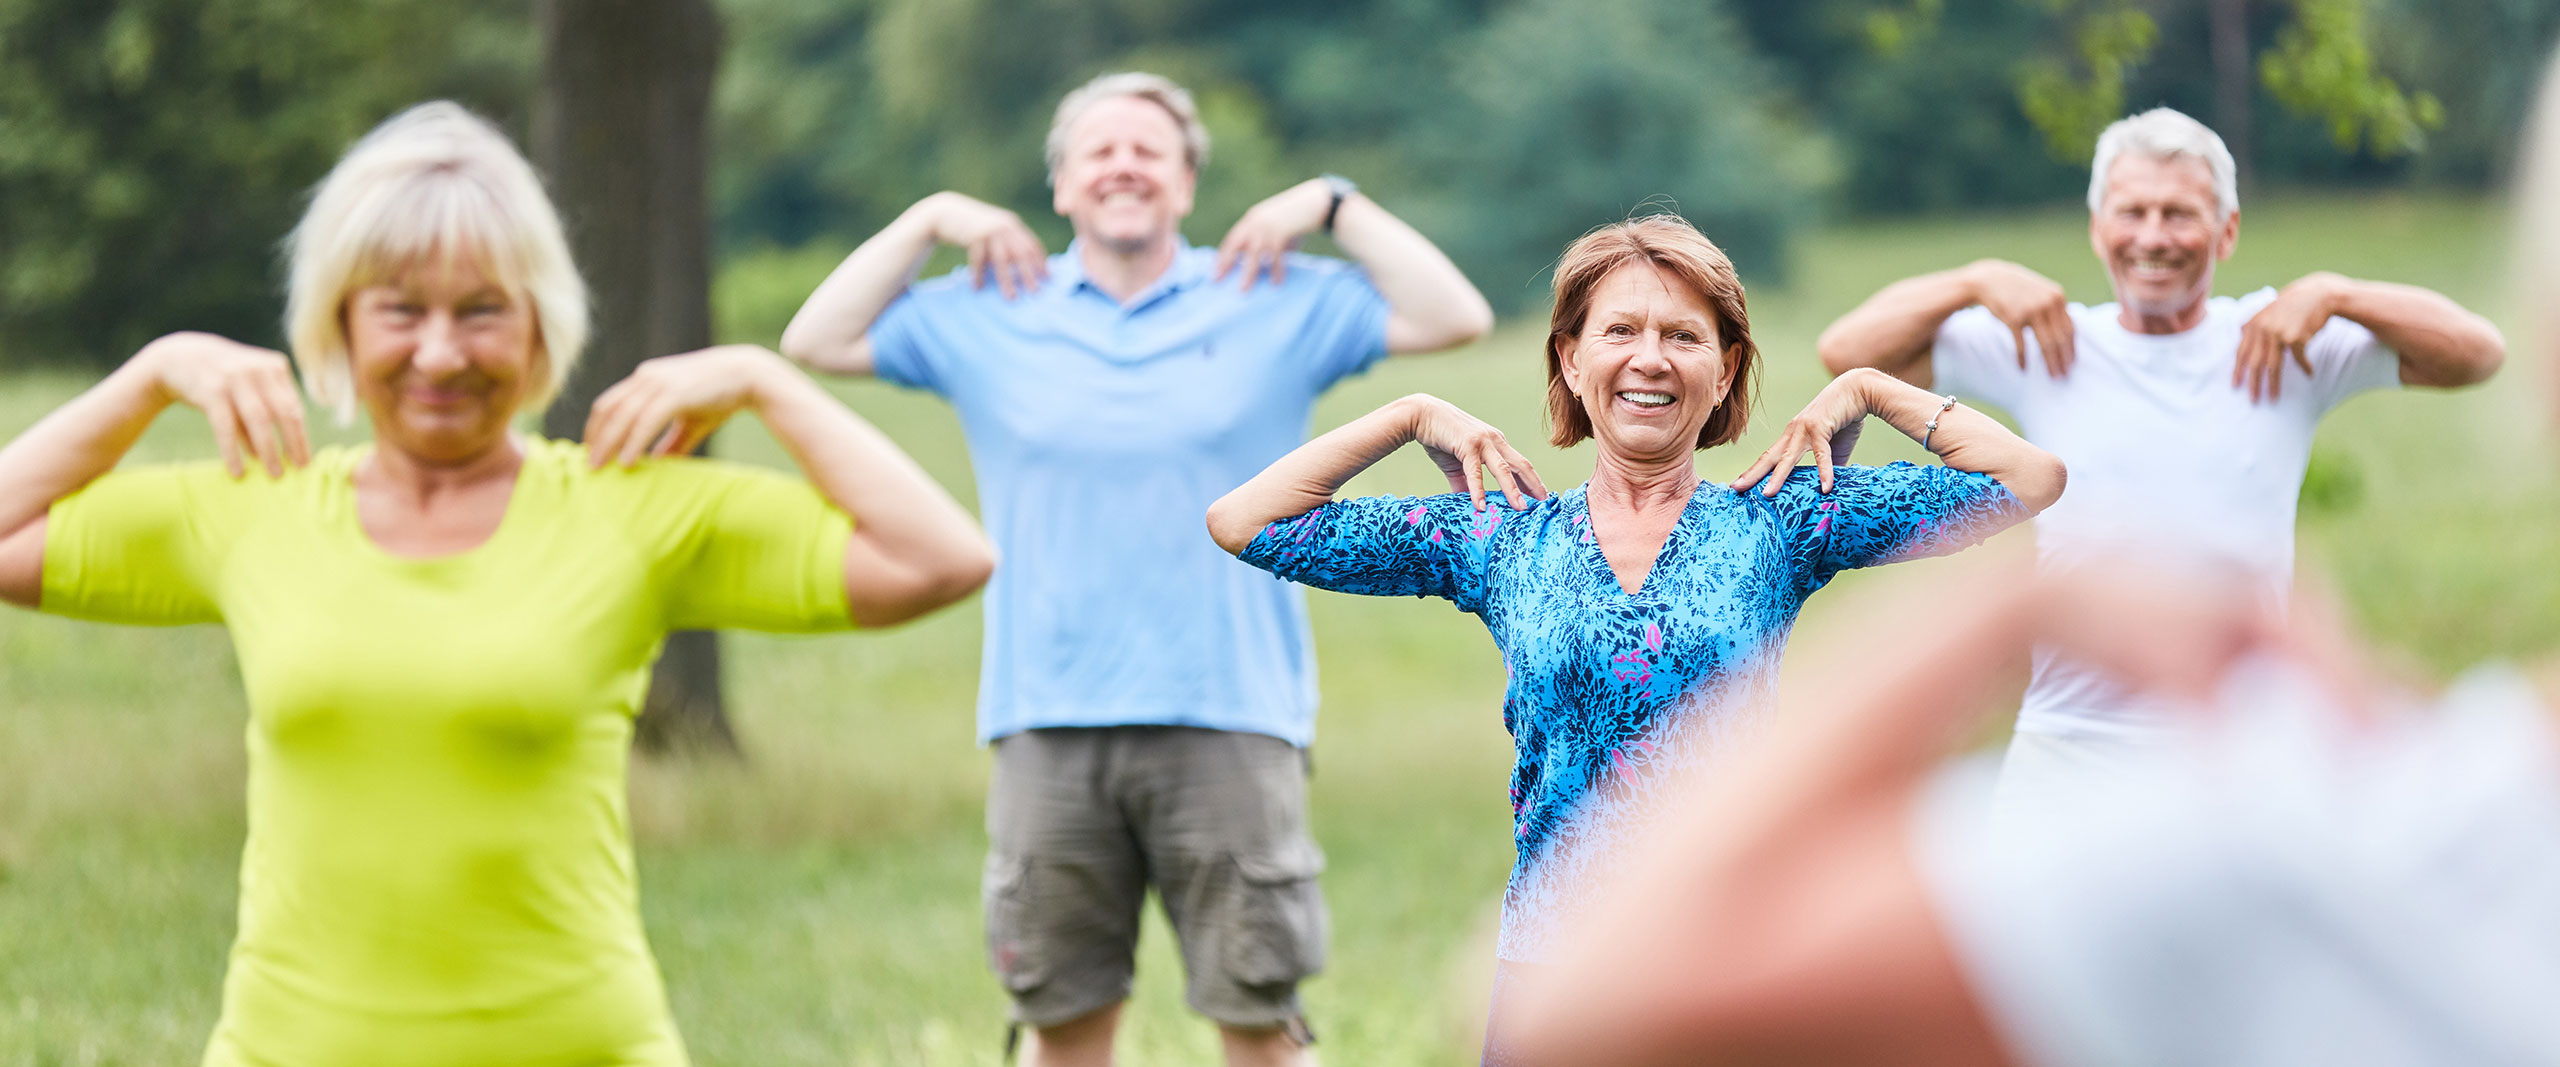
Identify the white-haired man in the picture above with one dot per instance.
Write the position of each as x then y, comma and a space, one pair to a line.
2185, 418
1148, 696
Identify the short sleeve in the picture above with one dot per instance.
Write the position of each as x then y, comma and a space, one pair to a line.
759, 551
1878, 515
910, 342
1975, 356
1387, 546
138, 547
2347, 359
1346, 327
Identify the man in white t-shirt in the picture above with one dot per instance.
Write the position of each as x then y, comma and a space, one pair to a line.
2185, 418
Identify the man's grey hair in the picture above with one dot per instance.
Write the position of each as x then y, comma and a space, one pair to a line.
2165, 133
1153, 88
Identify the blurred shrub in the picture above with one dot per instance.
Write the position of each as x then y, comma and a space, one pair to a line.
150, 150
1502, 130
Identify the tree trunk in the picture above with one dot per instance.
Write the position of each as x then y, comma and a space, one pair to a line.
2233, 85
621, 128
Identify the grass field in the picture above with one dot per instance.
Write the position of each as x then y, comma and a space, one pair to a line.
818, 904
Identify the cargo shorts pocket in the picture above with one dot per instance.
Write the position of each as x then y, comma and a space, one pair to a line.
1016, 956
1279, 916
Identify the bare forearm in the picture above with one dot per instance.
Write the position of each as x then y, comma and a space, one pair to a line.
78, 442
2440, 343
1431, 304
830, 331
1893, 330
904, 522
1967, 440
1307, 478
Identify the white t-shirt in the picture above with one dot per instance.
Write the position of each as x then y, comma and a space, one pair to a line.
2291, 888
2166, 456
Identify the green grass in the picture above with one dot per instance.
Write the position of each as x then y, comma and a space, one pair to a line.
819, 904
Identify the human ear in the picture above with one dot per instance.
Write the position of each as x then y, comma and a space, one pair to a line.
1568, 350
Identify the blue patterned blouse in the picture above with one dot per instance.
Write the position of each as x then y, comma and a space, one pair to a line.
1599, 677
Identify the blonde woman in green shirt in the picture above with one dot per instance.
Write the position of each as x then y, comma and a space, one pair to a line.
445, 634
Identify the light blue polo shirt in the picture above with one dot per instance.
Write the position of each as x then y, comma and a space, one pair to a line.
1101, 433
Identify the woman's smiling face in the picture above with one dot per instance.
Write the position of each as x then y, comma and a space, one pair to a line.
443, 358
1648, 364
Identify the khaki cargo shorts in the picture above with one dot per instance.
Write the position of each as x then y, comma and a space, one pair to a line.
1082, 821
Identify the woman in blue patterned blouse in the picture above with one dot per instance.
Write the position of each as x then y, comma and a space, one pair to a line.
1641, 614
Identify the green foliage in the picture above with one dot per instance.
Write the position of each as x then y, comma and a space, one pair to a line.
150, 149
2483, 59
1502, 129
1917, 97
2323, 65
2071, 101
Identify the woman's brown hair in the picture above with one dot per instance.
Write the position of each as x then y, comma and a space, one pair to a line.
1670, 243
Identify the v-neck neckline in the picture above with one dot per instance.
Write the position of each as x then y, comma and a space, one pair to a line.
1600, 555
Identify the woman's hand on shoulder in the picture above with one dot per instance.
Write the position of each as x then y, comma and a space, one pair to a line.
1465, 447
1828, 427
247, 393
670, 404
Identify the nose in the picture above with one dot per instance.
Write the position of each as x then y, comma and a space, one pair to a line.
2152, 232
439, 349
1648, 357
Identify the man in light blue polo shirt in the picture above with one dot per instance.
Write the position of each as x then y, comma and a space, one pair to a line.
1148, 696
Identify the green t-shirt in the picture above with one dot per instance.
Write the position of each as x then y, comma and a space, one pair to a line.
438, 867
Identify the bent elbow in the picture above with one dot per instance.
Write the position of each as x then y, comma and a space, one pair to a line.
1231, 530
2040, 482
966, 572
797, 344
1473, 322
1833, 351
2491, 354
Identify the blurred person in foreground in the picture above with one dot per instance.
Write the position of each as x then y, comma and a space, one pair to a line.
2318, 868
1642, 614
2186, 418
445, 634
1148, 698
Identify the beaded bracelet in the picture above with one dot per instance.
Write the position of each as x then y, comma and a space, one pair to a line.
1931, 430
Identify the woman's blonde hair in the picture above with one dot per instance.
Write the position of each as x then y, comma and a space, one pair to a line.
1670, 243
431, 182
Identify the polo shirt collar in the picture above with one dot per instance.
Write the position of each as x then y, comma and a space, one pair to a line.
1186, 270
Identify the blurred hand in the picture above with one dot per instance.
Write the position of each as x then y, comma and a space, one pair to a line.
1828, 427
1465, 447
1001, 249
2283, 328
1262, 239
2024, 300
246, 392
670, 404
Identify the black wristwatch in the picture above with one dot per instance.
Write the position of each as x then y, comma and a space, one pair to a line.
1342, 188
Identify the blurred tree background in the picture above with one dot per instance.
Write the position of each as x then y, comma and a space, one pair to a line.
152, 152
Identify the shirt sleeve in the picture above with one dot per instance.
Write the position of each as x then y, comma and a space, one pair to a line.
2347, 359
757, 551
1346, 327
138, 547
1975, 356
910, 341
1387, 546
1878, 515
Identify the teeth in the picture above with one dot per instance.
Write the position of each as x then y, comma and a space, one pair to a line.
1651, 400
